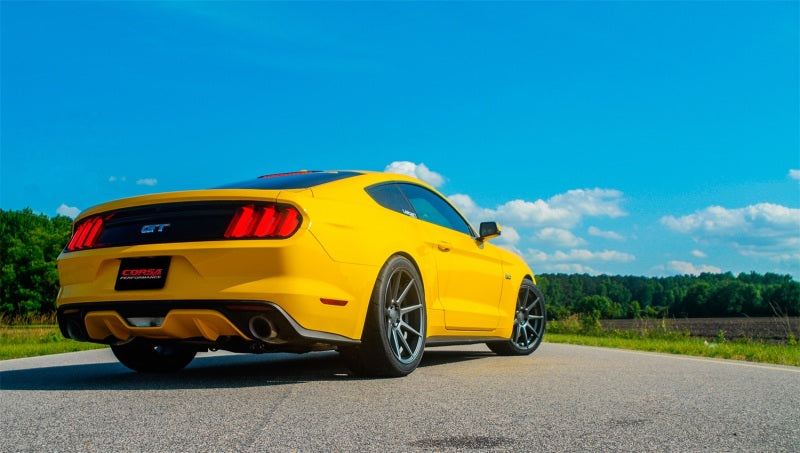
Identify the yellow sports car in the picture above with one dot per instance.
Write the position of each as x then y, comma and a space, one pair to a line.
377, 266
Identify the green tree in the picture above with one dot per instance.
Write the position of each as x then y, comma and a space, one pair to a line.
635, 311
29, 246
695, 304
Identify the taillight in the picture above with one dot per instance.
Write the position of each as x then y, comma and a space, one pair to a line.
87, 234
269, 221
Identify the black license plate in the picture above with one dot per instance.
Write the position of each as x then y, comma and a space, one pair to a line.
142, 273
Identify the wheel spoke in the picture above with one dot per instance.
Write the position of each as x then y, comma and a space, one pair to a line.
407, 310
405, 343
529, 308
394, 287
408, 328
534, 333
396, 344
389, 328
524, 303
402, 296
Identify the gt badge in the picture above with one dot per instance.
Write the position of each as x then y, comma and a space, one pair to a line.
157, 228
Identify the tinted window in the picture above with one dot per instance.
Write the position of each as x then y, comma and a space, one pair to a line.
299, 180
390, 197
433, 208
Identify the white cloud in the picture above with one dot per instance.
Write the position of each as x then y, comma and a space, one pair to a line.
69, 211
474, 213
419, 171
508, 236
554, 218
594, 231
573, 268
147, 182
683, 267
579, 255
763, 230
536, 256
699, 254
794, 174
591, 202
716, 220
536, 213
559, 237
117, 179
587, 255
562, 211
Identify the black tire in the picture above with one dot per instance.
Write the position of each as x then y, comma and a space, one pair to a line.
148, 357
530, 319
394, 331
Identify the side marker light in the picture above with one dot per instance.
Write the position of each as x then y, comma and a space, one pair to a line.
335, 302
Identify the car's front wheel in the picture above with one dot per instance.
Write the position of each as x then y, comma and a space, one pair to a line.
529, 323
146, 357
394, 333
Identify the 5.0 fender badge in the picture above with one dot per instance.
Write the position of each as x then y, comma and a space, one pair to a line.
157, 228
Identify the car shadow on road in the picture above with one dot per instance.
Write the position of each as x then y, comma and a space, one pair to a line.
228, 371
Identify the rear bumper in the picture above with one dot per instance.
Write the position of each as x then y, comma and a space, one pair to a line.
216, 323
292, 276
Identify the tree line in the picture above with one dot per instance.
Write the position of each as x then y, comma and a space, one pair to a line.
30, 244
706, 295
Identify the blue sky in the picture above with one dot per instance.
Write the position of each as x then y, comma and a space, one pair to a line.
643, 138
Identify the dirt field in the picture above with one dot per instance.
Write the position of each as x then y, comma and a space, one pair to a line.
775, 329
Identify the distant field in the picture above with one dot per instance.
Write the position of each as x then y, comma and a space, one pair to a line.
769, 329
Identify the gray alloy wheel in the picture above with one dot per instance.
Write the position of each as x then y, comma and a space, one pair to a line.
529, 323
394, 333
146, 357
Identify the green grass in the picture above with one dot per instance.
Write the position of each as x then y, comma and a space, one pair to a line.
34, 340
572, 331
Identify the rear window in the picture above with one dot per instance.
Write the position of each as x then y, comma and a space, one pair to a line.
296, 180
390, 197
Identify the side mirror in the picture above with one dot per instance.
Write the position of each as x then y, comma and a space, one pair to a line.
488, 230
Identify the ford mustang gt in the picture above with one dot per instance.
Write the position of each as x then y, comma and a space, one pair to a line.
376, 266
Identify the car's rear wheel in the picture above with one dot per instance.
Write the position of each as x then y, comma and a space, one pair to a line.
394, 333
146, 357
529, 323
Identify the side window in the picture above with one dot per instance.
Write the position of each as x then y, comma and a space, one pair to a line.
433, 208
390, 197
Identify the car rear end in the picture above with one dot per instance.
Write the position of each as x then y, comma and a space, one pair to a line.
231, 268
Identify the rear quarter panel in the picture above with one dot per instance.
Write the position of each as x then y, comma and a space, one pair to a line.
354, 229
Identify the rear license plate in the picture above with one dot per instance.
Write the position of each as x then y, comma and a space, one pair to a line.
142, 273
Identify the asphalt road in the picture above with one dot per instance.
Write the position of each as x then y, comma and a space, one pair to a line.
562, 398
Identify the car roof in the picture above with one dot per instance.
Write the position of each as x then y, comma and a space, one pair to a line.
306, 179
293, 180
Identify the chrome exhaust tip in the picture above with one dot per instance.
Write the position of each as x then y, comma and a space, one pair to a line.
263, 329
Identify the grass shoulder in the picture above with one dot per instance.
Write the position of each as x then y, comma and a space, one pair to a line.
672, 342
18, 341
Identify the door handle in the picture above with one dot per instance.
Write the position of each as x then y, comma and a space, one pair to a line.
444, 246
